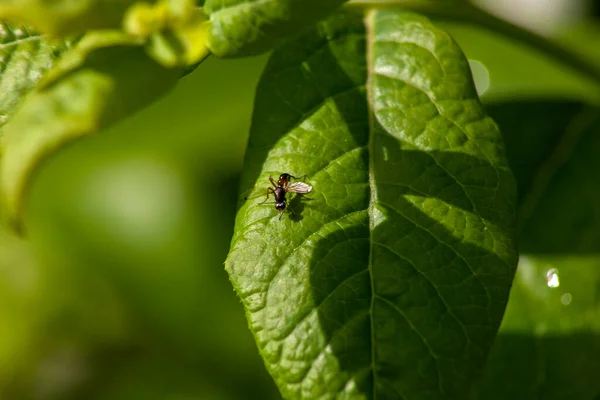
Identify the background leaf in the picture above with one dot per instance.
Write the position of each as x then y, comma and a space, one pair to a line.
392, 280
106, 77
63, 17
548, 346
246, 27
24, 58
517, 72
555, 165
90, 211
176, 31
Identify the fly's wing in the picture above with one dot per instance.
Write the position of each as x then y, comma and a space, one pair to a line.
299, 187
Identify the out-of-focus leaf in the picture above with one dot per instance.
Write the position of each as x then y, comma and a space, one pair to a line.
152, 226
552, 147
107, 76
549, 342
176, 30
391, 281
245, 27
49, 321
548, 346
19, 284
157, 251
62, 17
24, 58
515, 70
532, 130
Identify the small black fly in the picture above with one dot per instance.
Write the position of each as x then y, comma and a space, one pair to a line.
284, 186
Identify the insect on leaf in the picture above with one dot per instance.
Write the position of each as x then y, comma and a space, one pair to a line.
392, 281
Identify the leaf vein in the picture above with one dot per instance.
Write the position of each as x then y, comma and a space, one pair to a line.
334, 335
17, 42
285, 259
419, 334
467, 263
435, 287
317, 307
405, 42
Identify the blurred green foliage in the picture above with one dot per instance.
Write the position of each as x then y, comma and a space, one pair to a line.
121, 291
124, 293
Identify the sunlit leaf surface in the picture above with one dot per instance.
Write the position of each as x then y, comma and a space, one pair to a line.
390, 280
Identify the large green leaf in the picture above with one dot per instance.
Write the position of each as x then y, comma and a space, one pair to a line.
391, 281
24, 58
107, 76
549, 342
245, 27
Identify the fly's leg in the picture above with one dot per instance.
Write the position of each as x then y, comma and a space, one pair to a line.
269, 191
273, 182
286, 208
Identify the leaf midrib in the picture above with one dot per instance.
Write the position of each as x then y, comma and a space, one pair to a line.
4, 46
369, 21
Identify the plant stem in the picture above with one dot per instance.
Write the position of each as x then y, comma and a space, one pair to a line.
467, 13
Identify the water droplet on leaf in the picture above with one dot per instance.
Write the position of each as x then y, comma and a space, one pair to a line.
552, 278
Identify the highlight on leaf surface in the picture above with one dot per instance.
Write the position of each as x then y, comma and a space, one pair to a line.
107, 76
392, 280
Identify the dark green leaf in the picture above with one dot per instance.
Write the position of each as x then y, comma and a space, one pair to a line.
107, 76
391, 281
247, 27
549, 342
531, 130
24, 58
552, 148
